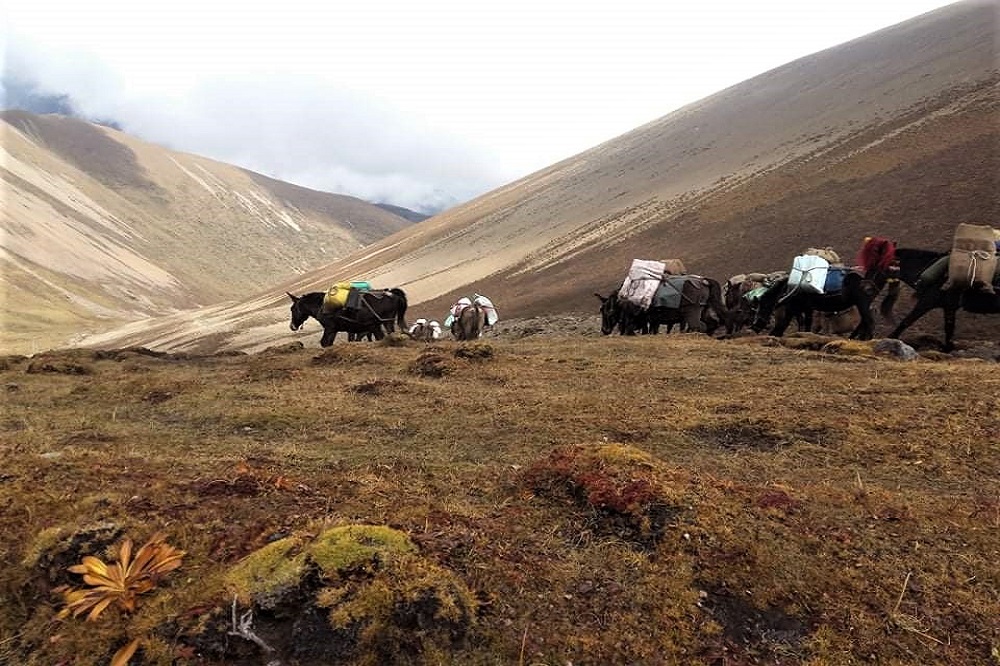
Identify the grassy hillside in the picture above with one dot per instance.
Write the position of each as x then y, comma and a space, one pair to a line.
547, 499
894, 134
101, 229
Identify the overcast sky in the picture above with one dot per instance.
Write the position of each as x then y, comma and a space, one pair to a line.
412, 102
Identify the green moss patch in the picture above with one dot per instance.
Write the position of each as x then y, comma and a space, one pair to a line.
359, 594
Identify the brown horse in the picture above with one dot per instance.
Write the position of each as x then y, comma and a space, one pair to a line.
692, 301
469, 323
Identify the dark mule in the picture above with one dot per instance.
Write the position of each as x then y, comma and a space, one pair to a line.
425, 331
913, 262
700, 309
858, 292
469, 323
422, 332
376, 310
741, 297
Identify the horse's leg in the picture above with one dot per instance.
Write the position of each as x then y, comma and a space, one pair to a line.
950, 310
804, 320
709, 321
691, 319
927, 302
627, 324
865, 330
329, 335
782, 322
949, 329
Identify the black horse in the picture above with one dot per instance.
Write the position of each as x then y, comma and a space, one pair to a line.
856, 292
912, 263
876, 261
701, 309
376, 310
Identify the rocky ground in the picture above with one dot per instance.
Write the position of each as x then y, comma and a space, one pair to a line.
584, 324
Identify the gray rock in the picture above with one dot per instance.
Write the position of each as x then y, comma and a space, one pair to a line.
896, 349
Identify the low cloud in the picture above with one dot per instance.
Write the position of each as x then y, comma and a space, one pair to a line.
299, 131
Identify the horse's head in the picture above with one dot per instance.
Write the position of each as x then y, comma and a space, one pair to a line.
299, 313
610, 313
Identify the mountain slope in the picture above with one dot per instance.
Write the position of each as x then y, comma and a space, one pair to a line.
895, 133
101, 228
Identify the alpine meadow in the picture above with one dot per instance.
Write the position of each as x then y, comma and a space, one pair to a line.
199, 467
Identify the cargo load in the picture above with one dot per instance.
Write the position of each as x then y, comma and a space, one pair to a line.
674, 267
643, 279
973, 258
336, 296
808, 273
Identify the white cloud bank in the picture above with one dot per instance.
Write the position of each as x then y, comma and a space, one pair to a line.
419, 104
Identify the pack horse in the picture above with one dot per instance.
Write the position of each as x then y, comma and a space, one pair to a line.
356, 310
653, 296
469, 318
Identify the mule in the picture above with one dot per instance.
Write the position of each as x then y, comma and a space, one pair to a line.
470, 323
856, 293
912, 263
740, 298
876, 261
700, 309
377, 313
425, 331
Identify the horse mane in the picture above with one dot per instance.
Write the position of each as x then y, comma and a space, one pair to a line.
876, 255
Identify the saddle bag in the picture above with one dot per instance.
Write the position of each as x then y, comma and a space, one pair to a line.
973, 258
336, 296
642, 282
808, 273
834, 279
674, 267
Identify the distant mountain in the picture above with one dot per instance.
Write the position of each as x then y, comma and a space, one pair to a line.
19, 95
405, 213
896, 133
101, 229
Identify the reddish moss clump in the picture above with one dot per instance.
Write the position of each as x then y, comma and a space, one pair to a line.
632, 492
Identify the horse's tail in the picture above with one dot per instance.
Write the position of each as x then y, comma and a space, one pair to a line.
891, 296
400, 308
715, 298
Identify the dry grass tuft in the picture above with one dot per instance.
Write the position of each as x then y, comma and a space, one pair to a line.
848, 348
376, 386
343, 354
289, 348
475, 351
395, 340
431, 364
629, 490
58, 366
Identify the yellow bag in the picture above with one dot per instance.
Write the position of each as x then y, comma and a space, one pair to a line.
336, 296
